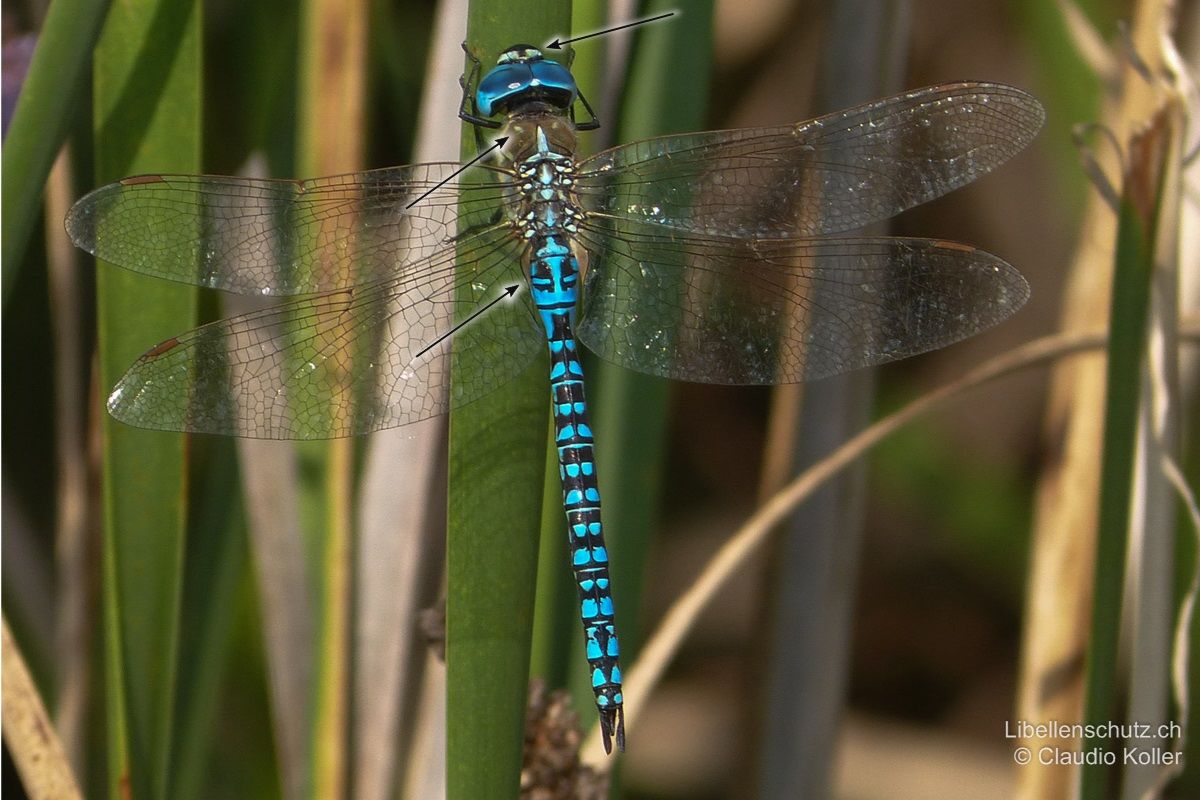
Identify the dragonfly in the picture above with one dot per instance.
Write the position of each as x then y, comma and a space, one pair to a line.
724, 257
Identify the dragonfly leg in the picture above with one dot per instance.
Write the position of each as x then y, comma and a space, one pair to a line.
466, 82
468, 110
591, 124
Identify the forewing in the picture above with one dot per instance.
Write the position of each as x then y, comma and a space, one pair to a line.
735, 311
827, 175
271, 237
346, 362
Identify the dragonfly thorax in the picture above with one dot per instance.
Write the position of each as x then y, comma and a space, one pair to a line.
546, 218
538, 135
544, 181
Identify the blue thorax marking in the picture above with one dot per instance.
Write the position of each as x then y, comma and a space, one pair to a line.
525, 76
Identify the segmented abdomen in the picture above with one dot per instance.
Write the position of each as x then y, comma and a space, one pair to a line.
581, 500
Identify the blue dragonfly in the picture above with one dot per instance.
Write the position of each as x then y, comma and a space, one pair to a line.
699, 257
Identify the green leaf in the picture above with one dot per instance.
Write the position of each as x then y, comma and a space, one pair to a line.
147, 107
1137, 226
215, 567
497, 462
41, 119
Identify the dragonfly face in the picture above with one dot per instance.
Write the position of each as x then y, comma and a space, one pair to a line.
523, 77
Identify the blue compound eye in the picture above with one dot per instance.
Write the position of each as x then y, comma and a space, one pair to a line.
499, 86
524, 76
554, 77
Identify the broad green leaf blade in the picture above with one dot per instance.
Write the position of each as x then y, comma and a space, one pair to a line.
497, 451
147, 107
215, 566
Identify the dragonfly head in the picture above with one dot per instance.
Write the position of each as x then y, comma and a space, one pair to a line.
522, 78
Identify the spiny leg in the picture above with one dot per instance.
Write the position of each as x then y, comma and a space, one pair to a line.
466, 82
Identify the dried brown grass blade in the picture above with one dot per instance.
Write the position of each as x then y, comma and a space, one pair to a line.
401, 512
28, 733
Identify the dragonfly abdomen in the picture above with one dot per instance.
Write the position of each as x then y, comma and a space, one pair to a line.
581, 501
547, 224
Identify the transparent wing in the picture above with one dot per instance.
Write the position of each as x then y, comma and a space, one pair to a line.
346, 362
831, 174
739, 311
273, 237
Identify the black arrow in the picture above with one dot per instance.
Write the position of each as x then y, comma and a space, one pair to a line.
509, 291
557, 43
498, 143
